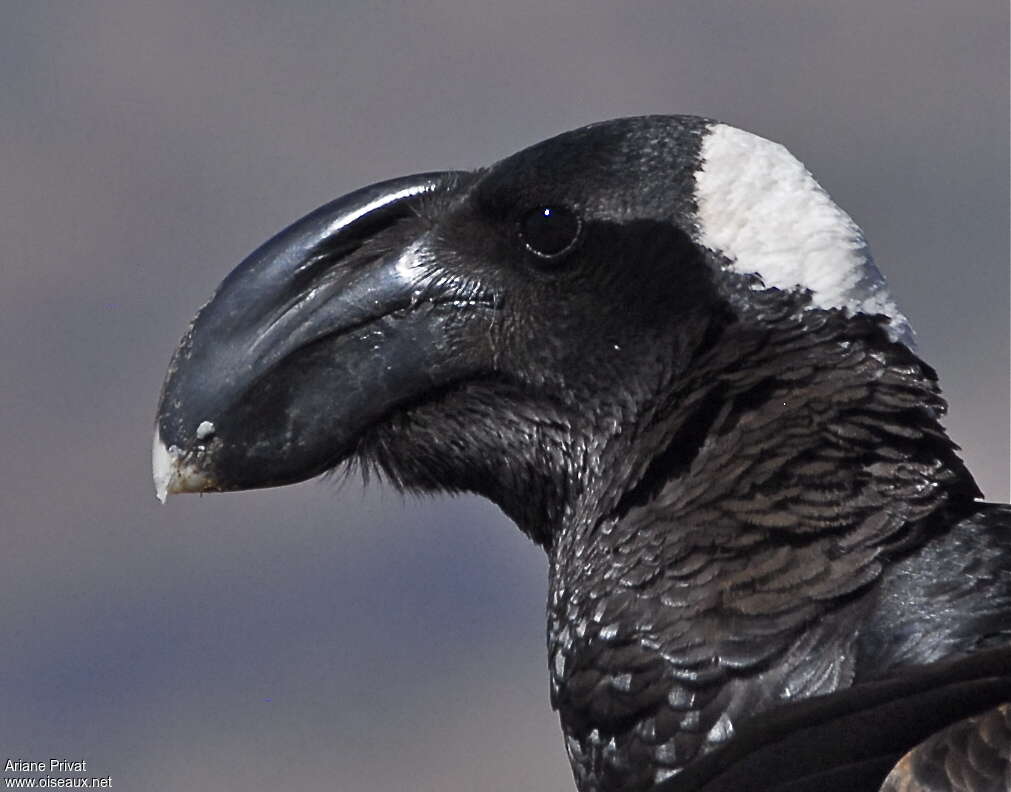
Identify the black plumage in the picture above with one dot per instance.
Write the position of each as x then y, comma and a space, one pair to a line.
850, 739
743, 487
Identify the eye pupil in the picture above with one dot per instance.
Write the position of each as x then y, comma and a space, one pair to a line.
549, 231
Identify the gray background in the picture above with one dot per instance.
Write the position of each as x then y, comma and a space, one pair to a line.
331, 637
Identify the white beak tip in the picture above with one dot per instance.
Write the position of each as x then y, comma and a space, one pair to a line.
172, 474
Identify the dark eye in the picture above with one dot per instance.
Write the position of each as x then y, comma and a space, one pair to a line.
549, 231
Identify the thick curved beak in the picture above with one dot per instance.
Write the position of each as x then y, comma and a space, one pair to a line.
317, 334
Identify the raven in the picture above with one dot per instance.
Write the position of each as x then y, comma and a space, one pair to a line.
661, 348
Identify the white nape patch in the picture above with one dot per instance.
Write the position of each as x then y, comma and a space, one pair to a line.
762, 209
171, 475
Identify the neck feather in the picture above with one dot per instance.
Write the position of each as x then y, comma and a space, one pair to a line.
785, 472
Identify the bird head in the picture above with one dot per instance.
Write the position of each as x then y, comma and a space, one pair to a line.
495, 330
